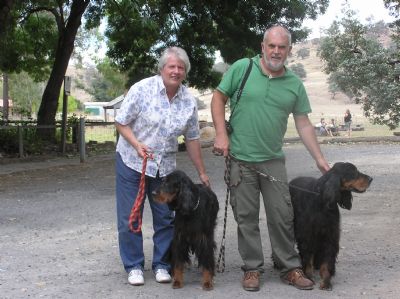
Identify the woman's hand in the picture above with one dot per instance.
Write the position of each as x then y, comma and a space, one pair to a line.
142, 149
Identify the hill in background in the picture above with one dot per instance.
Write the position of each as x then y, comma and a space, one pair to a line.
317, 89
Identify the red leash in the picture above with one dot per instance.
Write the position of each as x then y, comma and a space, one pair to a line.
136, 209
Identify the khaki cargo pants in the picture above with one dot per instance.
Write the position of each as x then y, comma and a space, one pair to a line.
245, 202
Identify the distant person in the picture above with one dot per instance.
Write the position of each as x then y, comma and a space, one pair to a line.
254, 147
332, 127
323, 129
347, 122
155, 111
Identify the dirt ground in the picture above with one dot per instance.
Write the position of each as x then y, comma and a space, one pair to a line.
58, 231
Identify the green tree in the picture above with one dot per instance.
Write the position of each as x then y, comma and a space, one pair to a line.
235, 28
299, 70
108, 83
39, 38
363, 69
332, 86
25, 93
73, 105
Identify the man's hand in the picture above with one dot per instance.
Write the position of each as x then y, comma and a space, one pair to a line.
221, 145
205, 179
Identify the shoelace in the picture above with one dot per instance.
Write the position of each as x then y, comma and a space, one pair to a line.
136, 272
251, 275
298, 273
162, 271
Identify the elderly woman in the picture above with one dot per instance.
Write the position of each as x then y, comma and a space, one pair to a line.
155, 111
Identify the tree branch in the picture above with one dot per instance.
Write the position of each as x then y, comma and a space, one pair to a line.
58, 18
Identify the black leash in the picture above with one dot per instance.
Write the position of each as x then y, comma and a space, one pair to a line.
227, 179
272, 178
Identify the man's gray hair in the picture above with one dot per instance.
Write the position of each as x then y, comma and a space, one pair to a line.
177, 52
289, 35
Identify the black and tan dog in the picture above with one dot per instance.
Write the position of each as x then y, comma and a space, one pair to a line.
317, 217
196, 208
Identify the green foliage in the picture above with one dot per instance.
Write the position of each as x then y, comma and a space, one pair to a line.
9, 141
332, 86
25, 93
29, 44
299, 70
72, 128
363, 69
73, 104
39, 36
108, 83
235, 28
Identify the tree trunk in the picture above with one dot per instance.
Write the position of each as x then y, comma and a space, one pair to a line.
5, 9
5, 98
48, 106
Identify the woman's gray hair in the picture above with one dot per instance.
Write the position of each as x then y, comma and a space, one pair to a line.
177, 52
289, 35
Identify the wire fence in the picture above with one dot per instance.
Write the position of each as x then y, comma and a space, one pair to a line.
20, 139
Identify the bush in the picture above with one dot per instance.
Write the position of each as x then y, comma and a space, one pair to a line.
9, 141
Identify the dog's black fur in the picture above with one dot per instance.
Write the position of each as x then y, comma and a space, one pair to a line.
196, 208
317, 216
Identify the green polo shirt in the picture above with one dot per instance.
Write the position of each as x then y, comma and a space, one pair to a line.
260, 120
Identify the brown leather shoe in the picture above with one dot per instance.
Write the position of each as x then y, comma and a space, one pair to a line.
251, 281
297, 278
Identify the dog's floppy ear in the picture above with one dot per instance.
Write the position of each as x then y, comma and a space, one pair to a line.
186, 197
331, 189
346, 200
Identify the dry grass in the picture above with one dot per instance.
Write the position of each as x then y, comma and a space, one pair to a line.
321, 99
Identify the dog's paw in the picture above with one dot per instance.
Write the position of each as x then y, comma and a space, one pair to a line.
177, 284
208, 285
325, 286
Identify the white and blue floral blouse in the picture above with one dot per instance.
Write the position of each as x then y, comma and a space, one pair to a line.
156, 122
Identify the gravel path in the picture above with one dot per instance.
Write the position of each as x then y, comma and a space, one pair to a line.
58, 232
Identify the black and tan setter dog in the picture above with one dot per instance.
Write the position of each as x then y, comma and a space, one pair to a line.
196, 208
317, 217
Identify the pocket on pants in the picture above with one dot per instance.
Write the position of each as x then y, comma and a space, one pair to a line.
235, 179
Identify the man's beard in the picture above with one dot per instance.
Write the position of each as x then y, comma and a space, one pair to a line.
273, 66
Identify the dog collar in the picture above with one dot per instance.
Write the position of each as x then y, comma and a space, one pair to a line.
197, 204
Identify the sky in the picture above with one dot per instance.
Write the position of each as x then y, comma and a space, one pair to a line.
363, 8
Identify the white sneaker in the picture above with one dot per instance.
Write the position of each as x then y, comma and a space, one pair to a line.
162, 276
136, 277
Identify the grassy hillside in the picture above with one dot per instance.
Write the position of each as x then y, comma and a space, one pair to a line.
321, 100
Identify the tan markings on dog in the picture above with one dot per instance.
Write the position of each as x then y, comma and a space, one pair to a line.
361, 184
325, 283
177, 278
309, 269
201, 239
207, 280
164, 197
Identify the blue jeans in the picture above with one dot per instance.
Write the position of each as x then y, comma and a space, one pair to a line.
130, 243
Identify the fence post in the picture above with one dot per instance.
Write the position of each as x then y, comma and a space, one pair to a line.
82, 143
20, 142
66, 93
